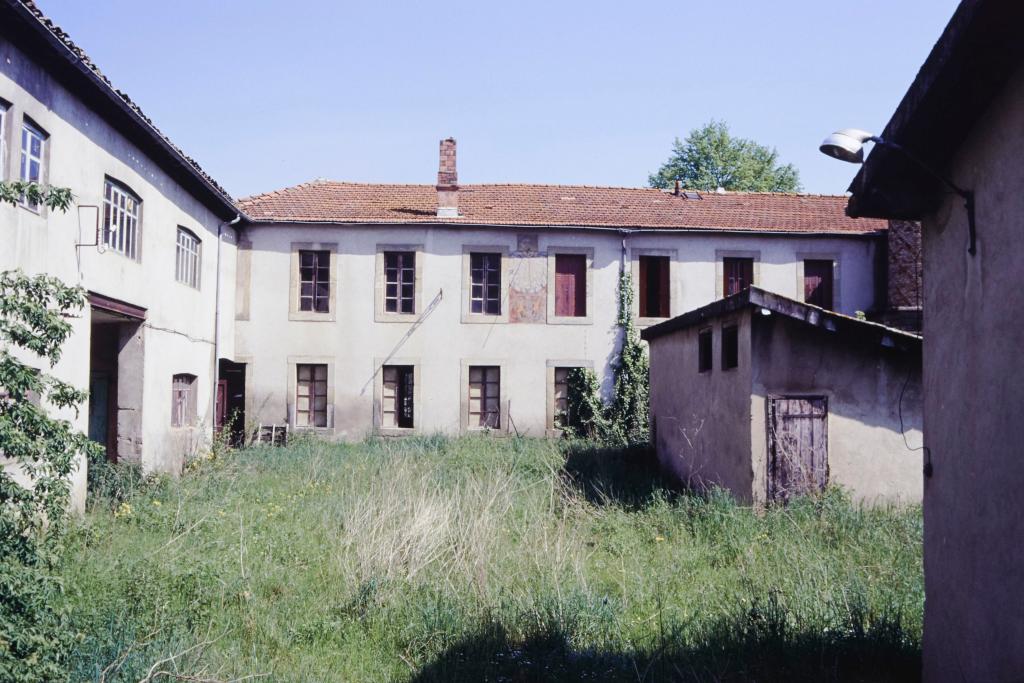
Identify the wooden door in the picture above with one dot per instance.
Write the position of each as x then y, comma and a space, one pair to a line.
797, 446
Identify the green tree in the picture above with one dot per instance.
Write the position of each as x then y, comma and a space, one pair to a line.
33, 507
710, 158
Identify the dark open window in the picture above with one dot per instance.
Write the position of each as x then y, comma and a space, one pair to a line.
738, 274
571, 285
485, 277
315, 281
400, 281
704, 351
654, 281
818, 282
484, 397
398, 397
561, 397
730, 347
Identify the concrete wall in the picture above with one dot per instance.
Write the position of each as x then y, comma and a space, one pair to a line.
178, 334
973, 374
702, 420
355, 338
864, 384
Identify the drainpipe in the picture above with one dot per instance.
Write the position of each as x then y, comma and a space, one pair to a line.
216, 322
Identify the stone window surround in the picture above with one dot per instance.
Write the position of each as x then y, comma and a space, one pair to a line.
294, 312
673, 282
467, 287
378, 394
588, 319
292, 364
379, 314
550, 430
722, 254
832, 256
464, 396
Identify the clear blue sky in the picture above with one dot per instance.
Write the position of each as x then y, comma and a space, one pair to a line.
269, 94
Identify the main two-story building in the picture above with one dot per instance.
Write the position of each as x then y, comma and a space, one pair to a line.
147, 237
402, 309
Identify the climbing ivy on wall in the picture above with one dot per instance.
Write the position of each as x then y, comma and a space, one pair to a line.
623, 421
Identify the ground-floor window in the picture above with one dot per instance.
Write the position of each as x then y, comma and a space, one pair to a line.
560, 408
183, 400
397, 397
311, 395
484, 397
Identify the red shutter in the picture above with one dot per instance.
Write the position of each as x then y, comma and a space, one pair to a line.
738, 274
818, 282
644, 312
570, 285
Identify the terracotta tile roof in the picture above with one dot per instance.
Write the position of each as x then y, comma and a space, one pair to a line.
324, 201
104, 83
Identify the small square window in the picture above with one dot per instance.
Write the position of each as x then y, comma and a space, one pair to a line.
704, 351
730, 347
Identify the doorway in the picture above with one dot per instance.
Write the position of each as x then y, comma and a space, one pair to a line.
797, 446
231, 400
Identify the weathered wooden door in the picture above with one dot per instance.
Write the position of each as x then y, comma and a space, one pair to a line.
797, 446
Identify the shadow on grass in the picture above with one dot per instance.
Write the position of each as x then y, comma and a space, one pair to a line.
629, 476
762, 647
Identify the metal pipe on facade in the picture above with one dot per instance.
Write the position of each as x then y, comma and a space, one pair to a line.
216, 321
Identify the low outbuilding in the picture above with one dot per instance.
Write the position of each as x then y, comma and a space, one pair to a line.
769, 398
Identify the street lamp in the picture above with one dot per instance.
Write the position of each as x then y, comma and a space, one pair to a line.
847, 144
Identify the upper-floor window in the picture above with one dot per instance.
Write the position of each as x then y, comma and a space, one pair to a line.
571, 285
400, 281
485, 278
121, 219
183, 400
187, 258
818, 282
654, 286
314, 281
33, 141
738, 274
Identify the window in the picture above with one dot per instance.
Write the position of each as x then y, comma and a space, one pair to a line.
654, 286
187, 258
561, 398
311, 395
730, 347
484, 397
315, 281
400, 281
738, 274
571, 285
4, 107
818, 282
485, 277
397, 398
704, 351
183, 400
32, 143
120, 219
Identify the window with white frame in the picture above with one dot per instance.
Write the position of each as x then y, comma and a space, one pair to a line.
4, 108
32, 146
188, 258
121, 219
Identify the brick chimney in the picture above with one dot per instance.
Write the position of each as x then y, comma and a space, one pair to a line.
447, 181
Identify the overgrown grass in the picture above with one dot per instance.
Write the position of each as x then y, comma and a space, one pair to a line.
483, 559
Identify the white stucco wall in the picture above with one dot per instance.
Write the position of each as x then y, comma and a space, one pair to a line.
178, 336
351, 340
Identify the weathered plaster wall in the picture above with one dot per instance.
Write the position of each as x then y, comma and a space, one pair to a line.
864, 384
973, 376
178, 334
702, 420
523, 346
